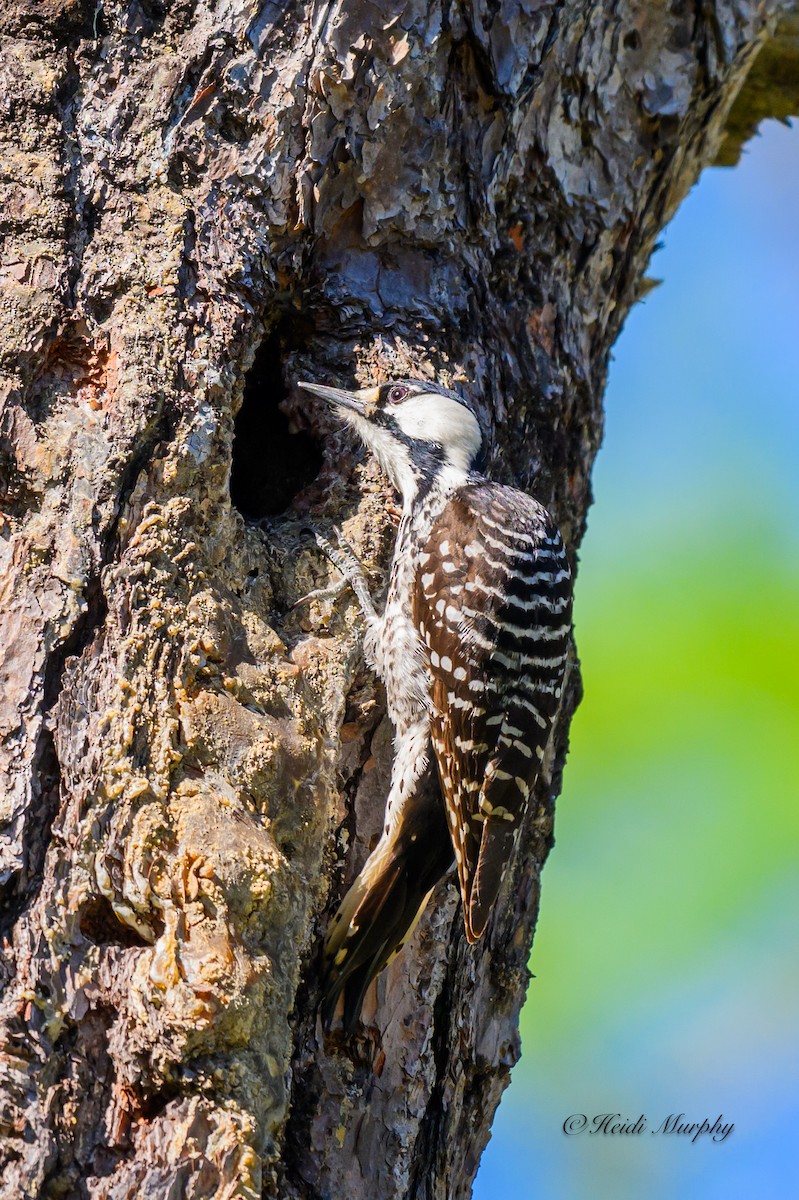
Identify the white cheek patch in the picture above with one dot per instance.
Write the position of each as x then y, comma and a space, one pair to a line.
432, 417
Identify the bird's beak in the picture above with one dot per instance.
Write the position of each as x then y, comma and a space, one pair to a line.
362, 403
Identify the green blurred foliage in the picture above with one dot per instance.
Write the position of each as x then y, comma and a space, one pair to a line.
679, 772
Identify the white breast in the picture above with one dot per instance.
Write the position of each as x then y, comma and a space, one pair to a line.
395, 645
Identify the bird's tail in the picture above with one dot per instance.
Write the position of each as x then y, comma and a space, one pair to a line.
381, 909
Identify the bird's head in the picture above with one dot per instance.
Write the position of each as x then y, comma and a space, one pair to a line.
417, 430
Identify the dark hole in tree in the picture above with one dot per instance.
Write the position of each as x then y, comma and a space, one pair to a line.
270, 462
99, 924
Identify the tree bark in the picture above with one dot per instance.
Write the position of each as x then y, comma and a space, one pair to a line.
203, 202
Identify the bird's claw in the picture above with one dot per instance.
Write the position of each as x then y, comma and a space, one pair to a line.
348, 565
331, 592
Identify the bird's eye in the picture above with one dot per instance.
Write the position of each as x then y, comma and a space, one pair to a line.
397, 394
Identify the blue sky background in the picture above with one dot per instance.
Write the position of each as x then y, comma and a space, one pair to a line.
666, 952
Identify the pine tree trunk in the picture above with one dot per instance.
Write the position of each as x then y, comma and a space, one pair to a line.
203, 202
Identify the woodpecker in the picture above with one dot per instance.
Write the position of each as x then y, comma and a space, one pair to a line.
471, 647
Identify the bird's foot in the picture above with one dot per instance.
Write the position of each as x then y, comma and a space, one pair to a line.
351, 570
331, 591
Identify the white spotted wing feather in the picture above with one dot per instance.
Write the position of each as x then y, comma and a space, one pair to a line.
492, 603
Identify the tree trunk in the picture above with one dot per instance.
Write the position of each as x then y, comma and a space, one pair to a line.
202, 202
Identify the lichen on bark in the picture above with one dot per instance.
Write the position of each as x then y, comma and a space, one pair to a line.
201, 203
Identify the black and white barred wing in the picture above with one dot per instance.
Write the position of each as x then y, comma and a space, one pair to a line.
492, 602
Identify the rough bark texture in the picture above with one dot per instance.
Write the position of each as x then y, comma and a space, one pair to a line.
202, 201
